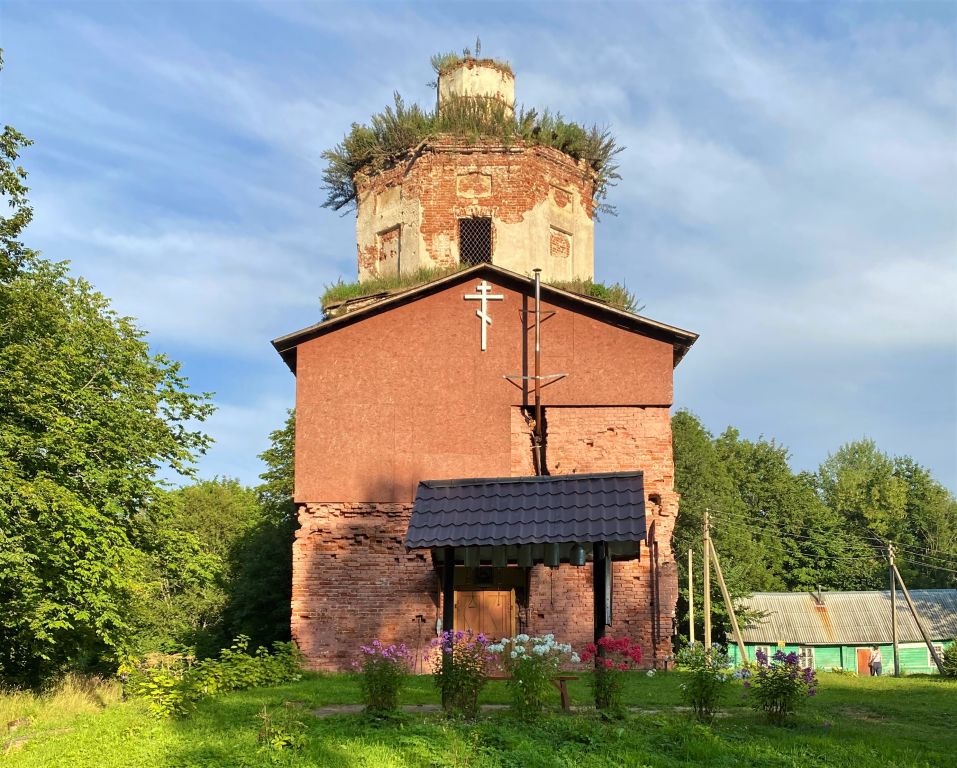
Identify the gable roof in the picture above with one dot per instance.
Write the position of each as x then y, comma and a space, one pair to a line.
681, 340
554, 509
848, 618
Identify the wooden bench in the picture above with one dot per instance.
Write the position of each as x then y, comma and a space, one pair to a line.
559, 681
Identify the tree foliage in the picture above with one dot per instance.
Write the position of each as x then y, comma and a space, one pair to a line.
88, 414
783, 531
260, 600
188, 540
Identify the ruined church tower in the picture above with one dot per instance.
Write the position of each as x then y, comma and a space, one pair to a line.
462, 200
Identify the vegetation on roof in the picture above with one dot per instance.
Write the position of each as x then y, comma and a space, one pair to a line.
341, 291
401, 130
615, 294
443, 63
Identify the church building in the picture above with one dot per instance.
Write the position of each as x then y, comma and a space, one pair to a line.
486, 450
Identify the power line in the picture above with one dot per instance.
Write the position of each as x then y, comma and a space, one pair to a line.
927, 565
925, 553
846, 559
770, 528
868, 536
737, 518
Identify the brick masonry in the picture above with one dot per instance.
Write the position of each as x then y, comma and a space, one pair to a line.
539, 200
353, 579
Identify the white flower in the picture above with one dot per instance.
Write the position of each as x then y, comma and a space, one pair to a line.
540, 650
513, 654
523, 638
550, 637
566, 648
520, 650
650, 673
575, 659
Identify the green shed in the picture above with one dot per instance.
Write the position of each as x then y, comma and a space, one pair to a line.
835, 630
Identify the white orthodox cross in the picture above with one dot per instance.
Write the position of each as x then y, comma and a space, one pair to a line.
484, 296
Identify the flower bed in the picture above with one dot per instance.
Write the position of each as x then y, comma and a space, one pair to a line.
460, 669
530, 664
382, 670
612, 656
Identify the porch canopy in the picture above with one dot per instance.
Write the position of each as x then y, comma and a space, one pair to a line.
529, 520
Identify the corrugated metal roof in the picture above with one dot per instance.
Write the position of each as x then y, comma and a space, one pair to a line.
528, 510
848, 618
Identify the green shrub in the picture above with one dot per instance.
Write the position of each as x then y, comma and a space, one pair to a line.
779, 684
382, 671
460, 670
172, 686
531, 663
950, 659
709, 673
613, 656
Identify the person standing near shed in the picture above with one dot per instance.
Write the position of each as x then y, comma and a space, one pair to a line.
875, 662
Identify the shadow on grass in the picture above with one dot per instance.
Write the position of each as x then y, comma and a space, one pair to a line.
888, 723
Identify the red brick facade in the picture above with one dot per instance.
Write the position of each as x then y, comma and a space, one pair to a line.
354, 580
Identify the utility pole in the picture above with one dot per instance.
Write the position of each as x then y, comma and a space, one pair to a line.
920, 624
690, 597
727, 603
890, 562
707, 581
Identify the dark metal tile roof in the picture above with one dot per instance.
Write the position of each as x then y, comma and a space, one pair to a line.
528, 510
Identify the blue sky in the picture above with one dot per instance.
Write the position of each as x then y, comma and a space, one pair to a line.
789, 186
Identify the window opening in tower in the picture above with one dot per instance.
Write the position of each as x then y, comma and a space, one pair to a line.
475, 241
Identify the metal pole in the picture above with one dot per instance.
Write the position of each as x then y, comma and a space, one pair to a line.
707, 581
539, 432
920, 624
690, 596
448, 602
897, 657
727, 603
599, 553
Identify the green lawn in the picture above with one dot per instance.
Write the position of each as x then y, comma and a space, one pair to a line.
852, 722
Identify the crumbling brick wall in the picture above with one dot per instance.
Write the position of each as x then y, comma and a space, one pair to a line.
608, 439
538, 198
353, 579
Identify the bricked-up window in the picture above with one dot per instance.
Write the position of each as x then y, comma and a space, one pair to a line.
475, 241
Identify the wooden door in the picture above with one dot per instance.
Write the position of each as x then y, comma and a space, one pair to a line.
863, 657
485, 611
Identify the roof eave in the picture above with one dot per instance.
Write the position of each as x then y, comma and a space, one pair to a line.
286, 345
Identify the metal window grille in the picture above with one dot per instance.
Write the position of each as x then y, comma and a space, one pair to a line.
475, 241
